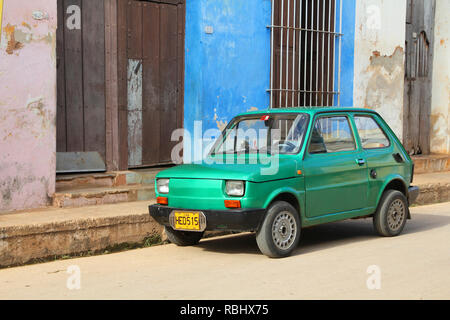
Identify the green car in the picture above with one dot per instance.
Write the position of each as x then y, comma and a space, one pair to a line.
275, 172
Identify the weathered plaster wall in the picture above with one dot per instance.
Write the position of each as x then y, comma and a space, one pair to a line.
440, 103
27, 103
379, 59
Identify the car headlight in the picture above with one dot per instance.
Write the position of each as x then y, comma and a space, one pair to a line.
162, 185
235, 188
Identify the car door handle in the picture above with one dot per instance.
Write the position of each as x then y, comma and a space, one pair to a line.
361, 162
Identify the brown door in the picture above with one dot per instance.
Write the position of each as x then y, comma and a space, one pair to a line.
155, 52
418, 75
81, 86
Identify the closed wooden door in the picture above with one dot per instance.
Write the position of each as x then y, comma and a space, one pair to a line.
418, 75
81, 85
155, 55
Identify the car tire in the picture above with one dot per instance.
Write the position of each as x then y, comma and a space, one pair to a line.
183, 238
391, 215
279, 233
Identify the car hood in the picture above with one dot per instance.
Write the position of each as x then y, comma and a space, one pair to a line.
286, 168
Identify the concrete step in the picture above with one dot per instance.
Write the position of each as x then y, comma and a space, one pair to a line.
93, 195
141, 176
78, 190
431, 163
108, 179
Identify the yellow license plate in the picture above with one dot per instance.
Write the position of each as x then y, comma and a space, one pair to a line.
187, 221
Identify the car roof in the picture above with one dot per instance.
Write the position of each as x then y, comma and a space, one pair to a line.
309, 110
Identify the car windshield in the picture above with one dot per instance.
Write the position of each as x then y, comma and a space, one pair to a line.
263, 133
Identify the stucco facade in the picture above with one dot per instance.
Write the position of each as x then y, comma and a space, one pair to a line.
440, 100
27, 104
226, 71
380, 59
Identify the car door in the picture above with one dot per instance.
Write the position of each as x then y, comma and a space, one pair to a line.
379, 152
334, 167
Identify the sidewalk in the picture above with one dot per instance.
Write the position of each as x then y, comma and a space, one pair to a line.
434, 187
51, 232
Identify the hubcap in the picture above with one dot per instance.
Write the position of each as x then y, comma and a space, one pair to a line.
284, 230
396, 215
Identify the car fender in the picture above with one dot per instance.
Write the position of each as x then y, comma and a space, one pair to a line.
298, 194
388, 180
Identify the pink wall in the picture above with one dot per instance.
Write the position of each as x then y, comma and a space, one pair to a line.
27, 104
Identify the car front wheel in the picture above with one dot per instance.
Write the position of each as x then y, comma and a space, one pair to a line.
279, 233
391, 215
183, 238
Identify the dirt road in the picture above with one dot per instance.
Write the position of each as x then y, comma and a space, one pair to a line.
344, 260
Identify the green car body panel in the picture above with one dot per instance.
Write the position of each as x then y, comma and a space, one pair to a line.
322, 187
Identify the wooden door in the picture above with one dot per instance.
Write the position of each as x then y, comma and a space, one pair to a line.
155, 55
418, 75
81, 85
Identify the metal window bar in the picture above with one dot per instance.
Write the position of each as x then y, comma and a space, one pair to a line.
340, 47
306, 53
311, 52
287, 48
314, 46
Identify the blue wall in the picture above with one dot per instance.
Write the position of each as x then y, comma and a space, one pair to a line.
228, 71
347, 52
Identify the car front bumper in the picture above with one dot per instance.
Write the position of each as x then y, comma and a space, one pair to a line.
227, 220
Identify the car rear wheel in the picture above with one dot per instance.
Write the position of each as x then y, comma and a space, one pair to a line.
391, 215
183, 238
279, 233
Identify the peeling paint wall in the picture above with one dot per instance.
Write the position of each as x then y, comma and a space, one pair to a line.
27, 103
380, 59
1, 15
440, 101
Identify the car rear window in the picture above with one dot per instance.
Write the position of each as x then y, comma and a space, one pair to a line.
371, 134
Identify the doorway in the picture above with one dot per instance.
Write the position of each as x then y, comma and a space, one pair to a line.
120, 83
81, 142
418, 75
155, 72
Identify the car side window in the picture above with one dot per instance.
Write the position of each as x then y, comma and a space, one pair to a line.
332, 134
371, 134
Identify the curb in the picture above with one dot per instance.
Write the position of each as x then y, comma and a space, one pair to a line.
22, 244
433, 193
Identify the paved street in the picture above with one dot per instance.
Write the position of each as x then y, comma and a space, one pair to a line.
331, 263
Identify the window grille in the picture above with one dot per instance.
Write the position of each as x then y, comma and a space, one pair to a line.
305, 48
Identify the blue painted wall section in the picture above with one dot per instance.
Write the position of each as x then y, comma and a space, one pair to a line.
228, 71
347, 51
